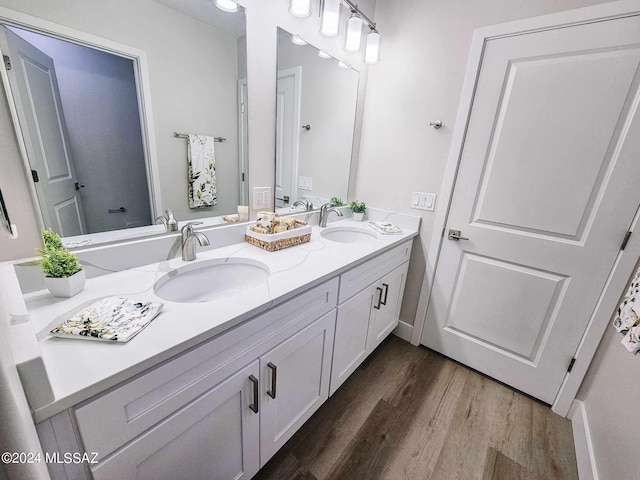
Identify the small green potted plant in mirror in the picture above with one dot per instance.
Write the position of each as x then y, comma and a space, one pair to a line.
64, 275
336, 202
358, 209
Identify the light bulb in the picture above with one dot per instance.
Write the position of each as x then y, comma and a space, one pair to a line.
372, 48
330, 23
295, 39
300, 8
354, 33
227, 5
322, 54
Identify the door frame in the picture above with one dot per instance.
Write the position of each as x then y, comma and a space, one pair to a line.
243, 141
296, 73
141, 74
625, 262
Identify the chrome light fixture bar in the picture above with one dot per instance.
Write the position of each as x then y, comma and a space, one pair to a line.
330, 21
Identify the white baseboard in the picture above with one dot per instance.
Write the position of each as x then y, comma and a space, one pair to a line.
404, 331
582, 440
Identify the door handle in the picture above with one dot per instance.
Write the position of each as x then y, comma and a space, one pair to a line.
274, 380
377, 307
386, 292
255, 405
285, 199
78, 186
455, 235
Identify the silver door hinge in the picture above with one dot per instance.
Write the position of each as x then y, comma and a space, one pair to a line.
242, 107
625, 240
573, 360
7, 62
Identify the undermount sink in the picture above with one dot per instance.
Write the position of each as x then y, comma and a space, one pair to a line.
211, 280
347, 234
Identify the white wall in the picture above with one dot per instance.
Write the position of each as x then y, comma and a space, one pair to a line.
100, 105
611, 392
424, 50
328, 104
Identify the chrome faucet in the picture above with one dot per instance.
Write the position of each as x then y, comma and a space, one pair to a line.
169, 222
189, 238
325, 210
303, 202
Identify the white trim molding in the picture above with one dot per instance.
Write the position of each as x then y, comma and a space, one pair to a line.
403, 331
626, 260
585, 457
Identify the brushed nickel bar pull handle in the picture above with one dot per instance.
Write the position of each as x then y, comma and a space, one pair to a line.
274, 380
377, 307
386, 292
255, 405
455, 235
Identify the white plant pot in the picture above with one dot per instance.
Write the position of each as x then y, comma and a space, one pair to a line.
66, 287
358, 216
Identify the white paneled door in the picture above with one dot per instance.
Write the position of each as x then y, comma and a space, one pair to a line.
547, 187
34, 85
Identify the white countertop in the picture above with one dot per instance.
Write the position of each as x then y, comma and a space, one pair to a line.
79, 369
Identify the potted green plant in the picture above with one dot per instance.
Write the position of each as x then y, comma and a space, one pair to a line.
64, 275
358, 209
336, 202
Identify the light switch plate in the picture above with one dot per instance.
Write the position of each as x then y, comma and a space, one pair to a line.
305, 183
261, 197
423, 201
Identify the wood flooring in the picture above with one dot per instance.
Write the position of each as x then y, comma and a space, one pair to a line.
409, 413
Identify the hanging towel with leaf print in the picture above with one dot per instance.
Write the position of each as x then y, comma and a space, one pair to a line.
202, 171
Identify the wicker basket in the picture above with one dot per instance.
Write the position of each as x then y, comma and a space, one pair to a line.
278, 241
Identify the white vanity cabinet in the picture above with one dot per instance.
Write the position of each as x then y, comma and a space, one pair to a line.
209, 413
223, 408
294, 379
366, 318
215, 436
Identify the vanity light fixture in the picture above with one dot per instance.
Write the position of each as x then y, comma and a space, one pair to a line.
322, 54
296, 40
372, 47
227, 6
300, 8
353, 36
343, 65
330, 26
330, 21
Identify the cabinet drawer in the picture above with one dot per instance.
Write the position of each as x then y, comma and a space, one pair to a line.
113, 419
215, 436
362, 276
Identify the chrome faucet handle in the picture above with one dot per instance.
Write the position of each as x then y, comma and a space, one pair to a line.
325, 210
189, 237
188, 227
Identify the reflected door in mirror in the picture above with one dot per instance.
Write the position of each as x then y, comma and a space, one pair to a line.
33, 81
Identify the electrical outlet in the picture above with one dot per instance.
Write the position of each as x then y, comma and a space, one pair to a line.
261, 197
305, 183
423, 201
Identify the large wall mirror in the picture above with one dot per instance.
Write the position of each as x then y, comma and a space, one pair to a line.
316, 112
97, 93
